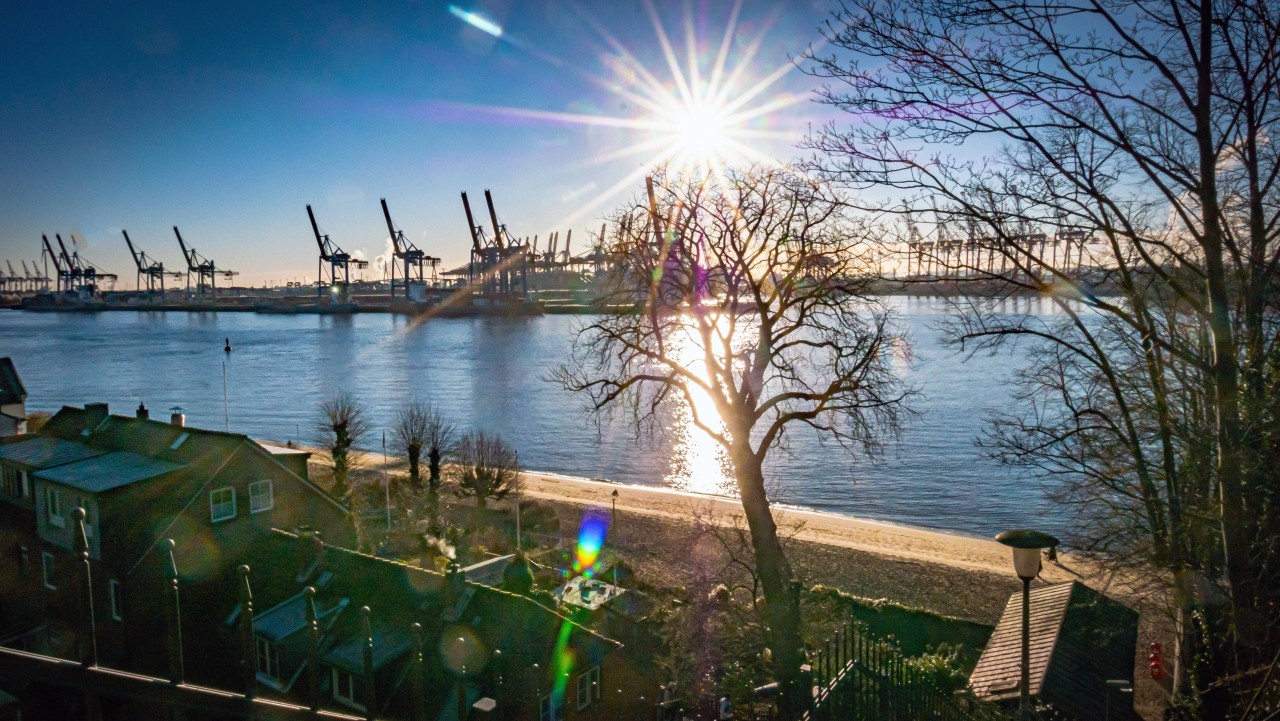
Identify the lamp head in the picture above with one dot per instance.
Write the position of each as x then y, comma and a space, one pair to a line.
1026, 547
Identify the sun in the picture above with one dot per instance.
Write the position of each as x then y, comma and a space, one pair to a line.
700, 135
701, 107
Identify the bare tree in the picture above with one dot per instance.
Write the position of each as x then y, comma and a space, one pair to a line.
484, 468
738, 301
341, 426
420, 427
1121, 163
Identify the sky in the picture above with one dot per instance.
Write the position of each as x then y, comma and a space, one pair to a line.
226, 119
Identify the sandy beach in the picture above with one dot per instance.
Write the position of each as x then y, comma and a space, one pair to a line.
888, 540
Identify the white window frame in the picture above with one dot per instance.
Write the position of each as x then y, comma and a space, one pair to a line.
47, 570
548, 712
53, 507
268, 655
589, 687
253, 497
352, 685
117, 601
214, 506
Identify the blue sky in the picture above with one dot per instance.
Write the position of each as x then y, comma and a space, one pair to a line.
227, 118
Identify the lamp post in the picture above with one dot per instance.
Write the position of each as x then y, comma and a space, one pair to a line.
1026, 547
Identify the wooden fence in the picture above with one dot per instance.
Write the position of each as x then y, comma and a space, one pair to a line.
857, 677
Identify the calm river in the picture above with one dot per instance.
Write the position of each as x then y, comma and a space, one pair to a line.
488, 374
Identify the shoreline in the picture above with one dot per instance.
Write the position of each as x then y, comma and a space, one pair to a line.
884, 538
887, 539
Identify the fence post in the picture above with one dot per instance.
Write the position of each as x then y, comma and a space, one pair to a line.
176, 671
418, 681
370, 687
313, 648
248, 647
88, 629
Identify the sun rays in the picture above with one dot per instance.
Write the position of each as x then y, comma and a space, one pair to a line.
700, 107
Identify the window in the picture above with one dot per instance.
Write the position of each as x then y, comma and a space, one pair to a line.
551, 708
178, 442
16, 483
46, 568
53, 507
117, 601
268, 658
222, 504
260, 496
344, 688
589, 688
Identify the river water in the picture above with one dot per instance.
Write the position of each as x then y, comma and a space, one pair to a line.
488, 374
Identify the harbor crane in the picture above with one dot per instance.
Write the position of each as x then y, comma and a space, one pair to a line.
75, 273
498, 260
204, 269
149, 267
78, 273
337, 259
409, 254
34, 278
62, 275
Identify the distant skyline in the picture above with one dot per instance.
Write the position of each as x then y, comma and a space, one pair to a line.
227, 119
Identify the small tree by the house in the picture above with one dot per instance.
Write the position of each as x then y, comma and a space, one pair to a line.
341, 424
420, 427
484, 468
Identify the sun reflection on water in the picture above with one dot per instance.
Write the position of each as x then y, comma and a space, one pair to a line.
698, 463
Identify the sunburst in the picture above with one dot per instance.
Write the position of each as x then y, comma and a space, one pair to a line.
705, 113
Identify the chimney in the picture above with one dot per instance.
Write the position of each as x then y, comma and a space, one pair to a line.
95, 413
454, 584
178, 418
143, 413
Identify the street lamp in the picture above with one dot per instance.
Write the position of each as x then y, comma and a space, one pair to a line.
1026, 547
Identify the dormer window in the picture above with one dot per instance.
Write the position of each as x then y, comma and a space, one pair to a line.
268, 658
345, 688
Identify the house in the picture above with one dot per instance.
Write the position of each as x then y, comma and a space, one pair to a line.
140, 482
13, 400
481, 647
1080, 641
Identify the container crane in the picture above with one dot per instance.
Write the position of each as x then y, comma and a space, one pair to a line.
337, 260
150, 267
62, 274
204, 269
75, 274
409, 254
494, 260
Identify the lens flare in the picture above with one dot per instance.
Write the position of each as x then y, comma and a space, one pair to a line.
476, 21
590, 541
562, 665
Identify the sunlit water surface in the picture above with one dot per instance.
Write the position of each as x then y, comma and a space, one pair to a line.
489, 374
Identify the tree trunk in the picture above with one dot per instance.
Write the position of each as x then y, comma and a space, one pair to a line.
1224, 368
415, 455
781, 595
433, 460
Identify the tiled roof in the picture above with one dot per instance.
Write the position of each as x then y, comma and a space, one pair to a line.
107, 471
1079, 640
42, 452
